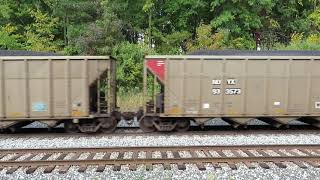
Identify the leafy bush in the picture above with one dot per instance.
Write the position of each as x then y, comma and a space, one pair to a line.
300, 42
130, 59
8, 38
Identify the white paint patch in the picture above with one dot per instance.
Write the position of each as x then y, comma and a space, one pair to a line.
160, 63
192, 112
231, 81
206, 106
216, 91
76, 104
277, 103
233, 91
216, 82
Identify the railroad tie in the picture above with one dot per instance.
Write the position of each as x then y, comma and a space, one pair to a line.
45, 157
149, 166
133, 166
176, 155
314, 164
31, 169
75, 156
300, 164
250, 154
83, 167
106, 156
249, 164
216, 165
31, 156
232, 165
246, 163
12, 169
280, 153
280, 164
264, 165
15, 157
200, 166
63, 169
304, 151
264, 154
207, 153
2, 155
261, 164
117, 167
236, 153
164, 155
121, 155
48, 169
221, 154
61, 156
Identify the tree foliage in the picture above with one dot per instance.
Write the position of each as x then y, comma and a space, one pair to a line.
130, 58
128, 29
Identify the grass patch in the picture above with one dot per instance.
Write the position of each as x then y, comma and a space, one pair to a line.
130, 101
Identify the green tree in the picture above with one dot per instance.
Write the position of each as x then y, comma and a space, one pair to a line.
130, 58
9, 39
40, 34
315, 18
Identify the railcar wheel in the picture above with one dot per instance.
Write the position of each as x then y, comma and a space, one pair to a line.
69, 127
182, 125
146, 124
109, 125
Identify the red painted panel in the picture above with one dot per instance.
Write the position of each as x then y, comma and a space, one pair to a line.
157, 66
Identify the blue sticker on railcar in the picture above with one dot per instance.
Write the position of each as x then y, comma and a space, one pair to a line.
39, 107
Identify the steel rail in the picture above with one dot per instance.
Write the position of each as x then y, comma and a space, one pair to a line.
161, 161
162, 148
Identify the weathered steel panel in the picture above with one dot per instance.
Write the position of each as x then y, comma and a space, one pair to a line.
50, 86
241, 86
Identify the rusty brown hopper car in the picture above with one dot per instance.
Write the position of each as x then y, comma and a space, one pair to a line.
78, 91
276, 87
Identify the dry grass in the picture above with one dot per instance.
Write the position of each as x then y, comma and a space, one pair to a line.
129, 101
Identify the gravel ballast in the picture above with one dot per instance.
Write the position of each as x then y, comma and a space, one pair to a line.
291, 172
156, 140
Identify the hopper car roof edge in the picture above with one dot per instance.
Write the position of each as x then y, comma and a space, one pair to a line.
227, 57
55, 57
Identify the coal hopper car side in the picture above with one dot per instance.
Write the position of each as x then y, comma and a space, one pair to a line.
79, 91
276, 87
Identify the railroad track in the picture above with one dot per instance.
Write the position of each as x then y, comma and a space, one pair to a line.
251, 156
